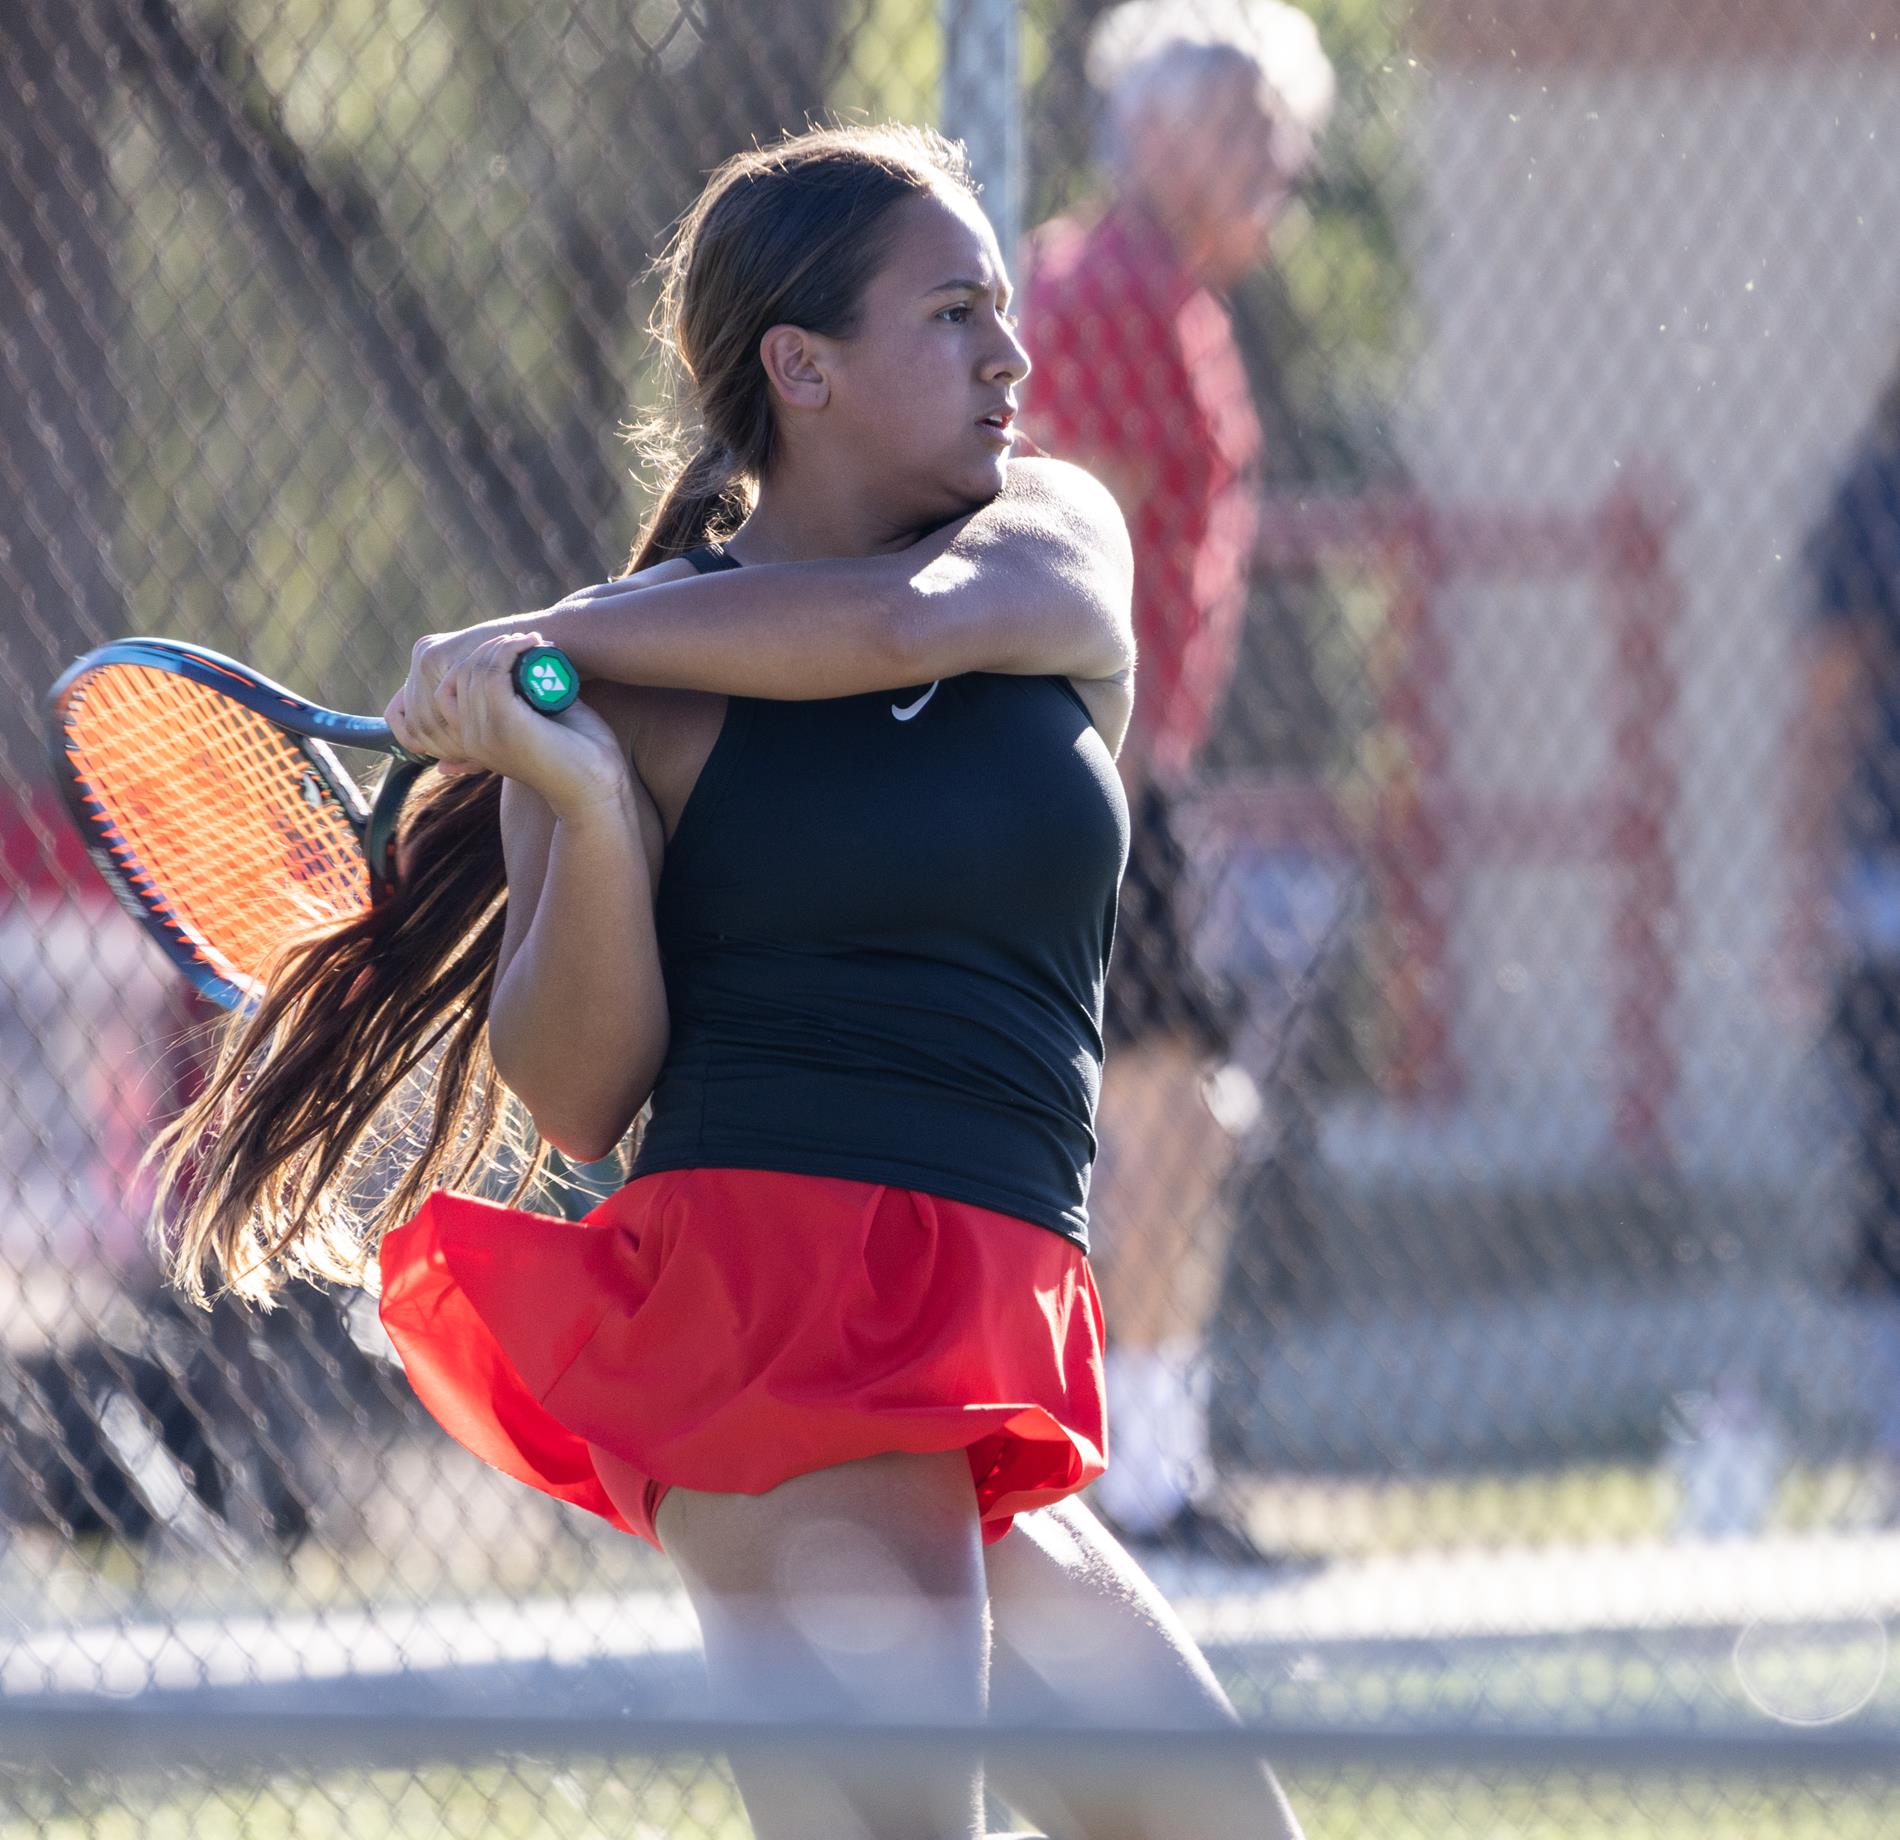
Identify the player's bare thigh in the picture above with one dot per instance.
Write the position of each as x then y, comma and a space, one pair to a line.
863, 1580
854, 1594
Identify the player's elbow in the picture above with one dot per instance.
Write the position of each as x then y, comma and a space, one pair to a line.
1100, 533
577, 1148
1077, 509
573, 1108
584, 1132
1089, 564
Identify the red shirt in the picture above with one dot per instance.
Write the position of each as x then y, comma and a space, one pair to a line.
1137, 375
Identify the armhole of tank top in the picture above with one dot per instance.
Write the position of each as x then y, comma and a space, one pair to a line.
709, 789
1074, 695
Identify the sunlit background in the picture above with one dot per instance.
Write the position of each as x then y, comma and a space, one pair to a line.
1545, 1364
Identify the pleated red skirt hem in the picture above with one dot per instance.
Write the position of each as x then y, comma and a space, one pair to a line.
728, 1329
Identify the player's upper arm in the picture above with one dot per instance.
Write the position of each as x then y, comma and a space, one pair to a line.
1039, 581
527, 826
1091, 564
527, 835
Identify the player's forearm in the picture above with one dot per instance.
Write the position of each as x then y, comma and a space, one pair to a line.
1034, 582
791, 630
578, 1023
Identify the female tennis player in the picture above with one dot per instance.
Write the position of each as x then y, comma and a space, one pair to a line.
824, 868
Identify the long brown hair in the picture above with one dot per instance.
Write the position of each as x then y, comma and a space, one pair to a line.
369, 1053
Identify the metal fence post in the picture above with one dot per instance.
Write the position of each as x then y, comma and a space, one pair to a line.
982, 104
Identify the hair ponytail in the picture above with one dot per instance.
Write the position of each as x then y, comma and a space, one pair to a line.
366, 1060
707, 501
368, 1057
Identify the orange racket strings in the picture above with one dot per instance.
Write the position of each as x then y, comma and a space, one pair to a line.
215, 814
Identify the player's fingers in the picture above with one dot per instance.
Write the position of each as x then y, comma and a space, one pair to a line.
482, 687
488, 660
441, 721
473, 696
431, 665
497, 656
477, 702
429, 661
429, 726
402, 725
418, 686
473, 705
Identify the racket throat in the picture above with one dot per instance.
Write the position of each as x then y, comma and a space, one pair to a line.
379, 834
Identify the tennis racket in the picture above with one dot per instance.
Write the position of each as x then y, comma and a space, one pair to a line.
215, 807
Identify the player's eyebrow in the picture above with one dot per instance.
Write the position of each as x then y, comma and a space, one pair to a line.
964, 285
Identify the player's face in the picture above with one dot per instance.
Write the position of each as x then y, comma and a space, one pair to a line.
926, 388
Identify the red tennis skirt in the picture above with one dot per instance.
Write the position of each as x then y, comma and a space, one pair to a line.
727, 1329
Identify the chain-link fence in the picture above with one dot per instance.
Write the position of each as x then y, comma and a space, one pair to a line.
1499, 1205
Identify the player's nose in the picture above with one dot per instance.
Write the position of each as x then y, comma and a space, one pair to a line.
1009, 359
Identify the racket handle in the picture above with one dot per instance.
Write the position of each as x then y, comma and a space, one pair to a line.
546, 679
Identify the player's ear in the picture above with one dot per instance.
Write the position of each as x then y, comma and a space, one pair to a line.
796, 367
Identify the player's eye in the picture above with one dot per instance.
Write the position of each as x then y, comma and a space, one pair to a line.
961, 308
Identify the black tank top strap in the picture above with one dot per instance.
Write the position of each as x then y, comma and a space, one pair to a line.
711, 556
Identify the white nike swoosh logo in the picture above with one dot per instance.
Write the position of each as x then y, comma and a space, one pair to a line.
904, 715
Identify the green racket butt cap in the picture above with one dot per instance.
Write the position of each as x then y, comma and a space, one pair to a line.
546, 677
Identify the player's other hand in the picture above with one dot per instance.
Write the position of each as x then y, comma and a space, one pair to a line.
411, 711
461, 706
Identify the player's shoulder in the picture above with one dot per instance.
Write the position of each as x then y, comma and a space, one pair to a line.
1072, 490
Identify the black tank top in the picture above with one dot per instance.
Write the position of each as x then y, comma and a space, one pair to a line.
884, 922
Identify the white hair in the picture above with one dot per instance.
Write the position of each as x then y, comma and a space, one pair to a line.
1146, 55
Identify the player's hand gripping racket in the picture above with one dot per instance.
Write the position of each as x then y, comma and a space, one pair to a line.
216, 809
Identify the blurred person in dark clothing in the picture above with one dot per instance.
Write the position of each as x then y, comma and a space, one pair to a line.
1847, 855
1211, 113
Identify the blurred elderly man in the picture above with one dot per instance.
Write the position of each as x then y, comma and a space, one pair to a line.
1211, 109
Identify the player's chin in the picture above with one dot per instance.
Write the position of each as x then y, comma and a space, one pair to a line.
981, 476
956, 484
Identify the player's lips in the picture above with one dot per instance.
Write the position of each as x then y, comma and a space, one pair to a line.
997, 424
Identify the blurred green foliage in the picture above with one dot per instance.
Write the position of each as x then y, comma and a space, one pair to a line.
1333, 312
501, 170
266, 509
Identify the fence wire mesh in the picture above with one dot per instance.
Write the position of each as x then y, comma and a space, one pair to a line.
1499, 1206
533, 1775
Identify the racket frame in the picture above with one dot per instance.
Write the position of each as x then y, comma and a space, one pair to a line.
318, 731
